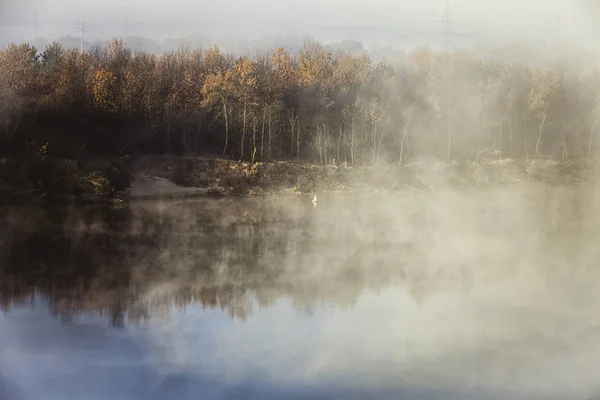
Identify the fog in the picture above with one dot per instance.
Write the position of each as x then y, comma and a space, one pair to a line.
438, 291
478, 20
496, 291
446, 294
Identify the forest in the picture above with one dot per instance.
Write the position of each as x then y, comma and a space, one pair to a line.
321, 106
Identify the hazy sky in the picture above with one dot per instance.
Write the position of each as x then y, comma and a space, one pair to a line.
539, 17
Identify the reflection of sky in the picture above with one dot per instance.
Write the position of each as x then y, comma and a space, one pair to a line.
527, 339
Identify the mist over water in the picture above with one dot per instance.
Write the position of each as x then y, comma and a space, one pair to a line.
446, 294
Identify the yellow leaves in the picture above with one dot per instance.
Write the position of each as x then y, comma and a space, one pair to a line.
214, 61
41, 151
239, 82
543, 87
314, 64
73, 85
18, 68
130, 79
140, 73
350, 70
284, 65
422, 60
133, 90
213, 85
245, 79
184, 90
506, 74
217, 87
245, 72
19, 56
119, 56
138, 85
104, 89
166, 64
376, 110
117, 48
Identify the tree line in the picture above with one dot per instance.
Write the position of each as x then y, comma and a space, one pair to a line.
322, 105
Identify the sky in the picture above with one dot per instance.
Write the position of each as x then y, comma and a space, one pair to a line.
369, 12
172, 18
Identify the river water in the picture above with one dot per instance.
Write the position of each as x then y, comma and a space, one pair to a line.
448, 295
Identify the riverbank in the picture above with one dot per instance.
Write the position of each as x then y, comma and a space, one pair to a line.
226, 177
41, 180
115, 181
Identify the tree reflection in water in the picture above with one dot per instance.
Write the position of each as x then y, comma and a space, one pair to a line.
138, 262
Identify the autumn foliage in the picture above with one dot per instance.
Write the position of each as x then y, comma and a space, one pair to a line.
320, 105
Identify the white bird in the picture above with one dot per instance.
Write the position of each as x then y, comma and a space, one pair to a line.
314, 201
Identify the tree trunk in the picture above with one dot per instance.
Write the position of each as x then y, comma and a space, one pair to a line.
169, 137
298, 141
577, 152
449, 149
374, 142
292, 142
269, 152
564, 144
226, 128
243, 131
339, 147
511, 138
406, 129
352, 142
500, 133
196, 137
293, 119
319, 144
540, 133
526, 126
254, 139
262, 135
592, 133
379, 144
184, 131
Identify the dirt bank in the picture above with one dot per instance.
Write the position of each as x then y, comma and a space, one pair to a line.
204, 176
115, 181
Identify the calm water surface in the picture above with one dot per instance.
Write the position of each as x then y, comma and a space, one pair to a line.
452, 295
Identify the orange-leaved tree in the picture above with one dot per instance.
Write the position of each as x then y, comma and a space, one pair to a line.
218, 92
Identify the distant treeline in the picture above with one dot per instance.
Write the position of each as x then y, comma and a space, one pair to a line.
322, 105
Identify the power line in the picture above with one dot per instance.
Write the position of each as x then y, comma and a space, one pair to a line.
35, 29
82, 30
446, 24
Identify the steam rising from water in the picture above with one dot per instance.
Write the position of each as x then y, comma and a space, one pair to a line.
490, 290
489, 294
